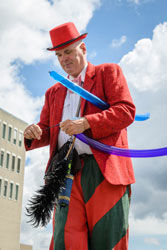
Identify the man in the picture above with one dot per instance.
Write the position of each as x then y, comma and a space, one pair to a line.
97, 215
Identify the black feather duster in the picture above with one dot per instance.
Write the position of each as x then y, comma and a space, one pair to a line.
41, 205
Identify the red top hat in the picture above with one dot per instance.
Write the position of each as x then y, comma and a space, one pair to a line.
64, 35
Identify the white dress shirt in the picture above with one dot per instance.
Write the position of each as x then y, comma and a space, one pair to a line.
69, 112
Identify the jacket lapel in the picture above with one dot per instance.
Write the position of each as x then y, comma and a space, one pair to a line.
59, 102
88, 83
61, 93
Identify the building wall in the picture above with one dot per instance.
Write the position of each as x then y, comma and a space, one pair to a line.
12, 163
25, 247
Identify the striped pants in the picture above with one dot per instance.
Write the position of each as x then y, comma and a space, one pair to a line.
97, 216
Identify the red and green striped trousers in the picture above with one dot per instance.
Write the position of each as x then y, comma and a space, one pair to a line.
97, 215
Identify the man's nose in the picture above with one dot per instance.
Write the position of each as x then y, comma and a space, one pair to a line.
64, 57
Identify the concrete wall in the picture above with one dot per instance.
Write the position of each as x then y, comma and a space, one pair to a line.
25, 247
13, 175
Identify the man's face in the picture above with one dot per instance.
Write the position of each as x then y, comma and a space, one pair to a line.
72, 58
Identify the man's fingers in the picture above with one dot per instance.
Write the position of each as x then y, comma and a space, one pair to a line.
72, 127
33, 132
36, 131
65, 125
28, 134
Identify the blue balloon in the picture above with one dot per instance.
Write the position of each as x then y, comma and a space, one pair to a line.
79, 90
142, 117
89, 96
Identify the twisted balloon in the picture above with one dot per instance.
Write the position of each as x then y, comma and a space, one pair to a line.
103, 105
89, 96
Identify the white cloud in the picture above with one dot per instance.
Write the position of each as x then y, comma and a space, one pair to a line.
134, 1
148, 226
33, 179
139, 2
24, 38
145, 70
130, 1
116, 43
152, 241
92, 54
145, 66
15, 98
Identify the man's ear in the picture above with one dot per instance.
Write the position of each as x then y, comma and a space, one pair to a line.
83, 47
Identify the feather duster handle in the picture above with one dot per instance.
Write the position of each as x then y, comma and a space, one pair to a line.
64, 196
65, 193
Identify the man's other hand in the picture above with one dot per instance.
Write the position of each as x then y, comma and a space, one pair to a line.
33, 131
72, 127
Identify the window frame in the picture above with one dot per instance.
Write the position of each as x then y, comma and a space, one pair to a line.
13, 169
9, 134
11, 196
2, 158
1, 185
15, 136
20, 135
17, 187
5, 188
18, 160
4, 131
8, 153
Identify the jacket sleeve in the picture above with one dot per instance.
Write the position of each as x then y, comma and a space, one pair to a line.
121, 112
43, 124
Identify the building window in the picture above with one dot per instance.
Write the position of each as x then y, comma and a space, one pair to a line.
7, 160
1, 158
5, 188
20, 138
9, 133
15, 136
13, 162
17, 192
18, 165
11, 190
3, 130
0, 187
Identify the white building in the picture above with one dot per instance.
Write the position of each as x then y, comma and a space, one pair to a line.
12, 164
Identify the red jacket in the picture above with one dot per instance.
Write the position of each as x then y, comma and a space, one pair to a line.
109, 126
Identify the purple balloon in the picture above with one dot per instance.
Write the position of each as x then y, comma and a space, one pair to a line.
121, 151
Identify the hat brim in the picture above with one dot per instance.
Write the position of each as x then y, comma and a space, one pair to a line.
63, 45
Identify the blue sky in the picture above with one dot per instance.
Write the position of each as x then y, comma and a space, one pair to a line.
132, 33
110, 21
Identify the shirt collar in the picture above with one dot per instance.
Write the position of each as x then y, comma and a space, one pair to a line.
82, 74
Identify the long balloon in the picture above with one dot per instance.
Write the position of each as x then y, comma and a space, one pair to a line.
142, 117
79, 90
121, 151
100, 146
89, 96
103, 105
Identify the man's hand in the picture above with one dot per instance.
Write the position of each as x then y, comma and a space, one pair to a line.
72, 127
33, 131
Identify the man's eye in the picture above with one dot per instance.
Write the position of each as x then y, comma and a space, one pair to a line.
68, 51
